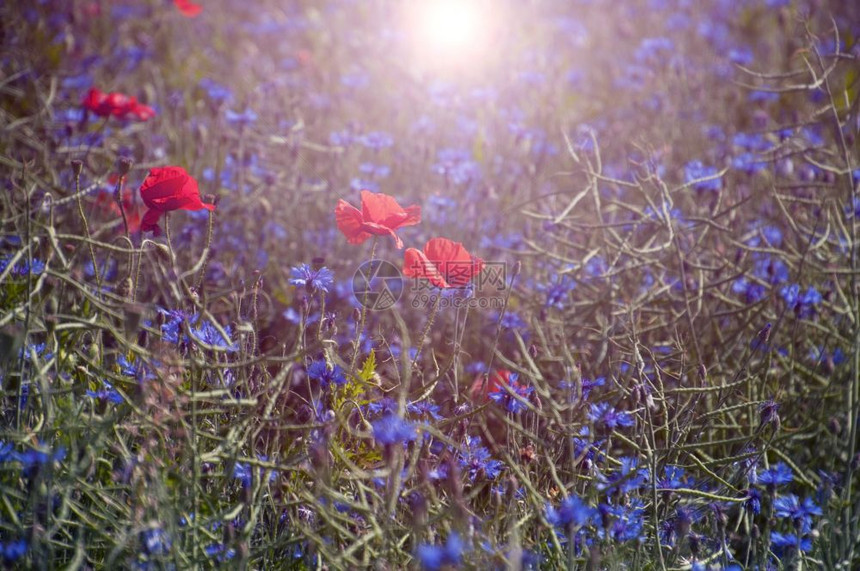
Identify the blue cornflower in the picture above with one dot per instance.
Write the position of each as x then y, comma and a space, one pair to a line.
325, 376
107, 393
33, 458
424, 408
207, 333
13, 550
243, 472
512, 404
777, 475
673, 478
220, 552
314, 280
172, 326
800, 512
392, 429
587, 386
240, 119
627, 478
604, 415
377, 140
573, 511
695, 171
476, 459
786, 544
216, 92
22, 267
383, 406
752, 503
625, 523
155, 541
433, 557
803, 305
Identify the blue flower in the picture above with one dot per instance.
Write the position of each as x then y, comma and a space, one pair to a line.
377, 140
433, 557
573, 511
626, 523
314, 280
604, 415
476, 460
22, 267
752, 502
673, 478
392, 429
240, 119
695, 171
424, 408
786, 544
325, 376
155, 541
107, 393
207, 334
800, 512
13, 550
626, 479
777, 475
501, 395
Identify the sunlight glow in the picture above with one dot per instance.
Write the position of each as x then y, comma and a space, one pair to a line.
446, 32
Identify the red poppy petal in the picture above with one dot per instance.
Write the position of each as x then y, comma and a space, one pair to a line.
380, 230
413, 216
350, 222
150, 221
453, 261
171, 188
416, 265
188, 8
381, 209
494, 381
143, 112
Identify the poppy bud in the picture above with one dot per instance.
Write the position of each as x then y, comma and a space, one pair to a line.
703, 372
533, 350
162, 251
518, 265
124, 165
77, 167
834, 426
356, 314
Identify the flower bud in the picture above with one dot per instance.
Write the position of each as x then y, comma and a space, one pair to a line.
124, 165
77, 167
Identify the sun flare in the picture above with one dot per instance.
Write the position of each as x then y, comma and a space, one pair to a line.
446, 32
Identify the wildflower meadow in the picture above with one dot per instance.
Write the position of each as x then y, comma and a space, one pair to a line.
437, 284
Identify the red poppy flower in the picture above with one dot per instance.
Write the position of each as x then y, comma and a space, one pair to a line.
481, 393
443, 262
189, 9
380, 215
166, 189
117, 104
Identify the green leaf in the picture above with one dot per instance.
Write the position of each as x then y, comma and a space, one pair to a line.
369, 367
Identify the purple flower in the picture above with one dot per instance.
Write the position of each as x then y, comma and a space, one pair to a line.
314, 280
777, 475
433, 557
604, 415
572, 512
392, 429
476, 460
325, 376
